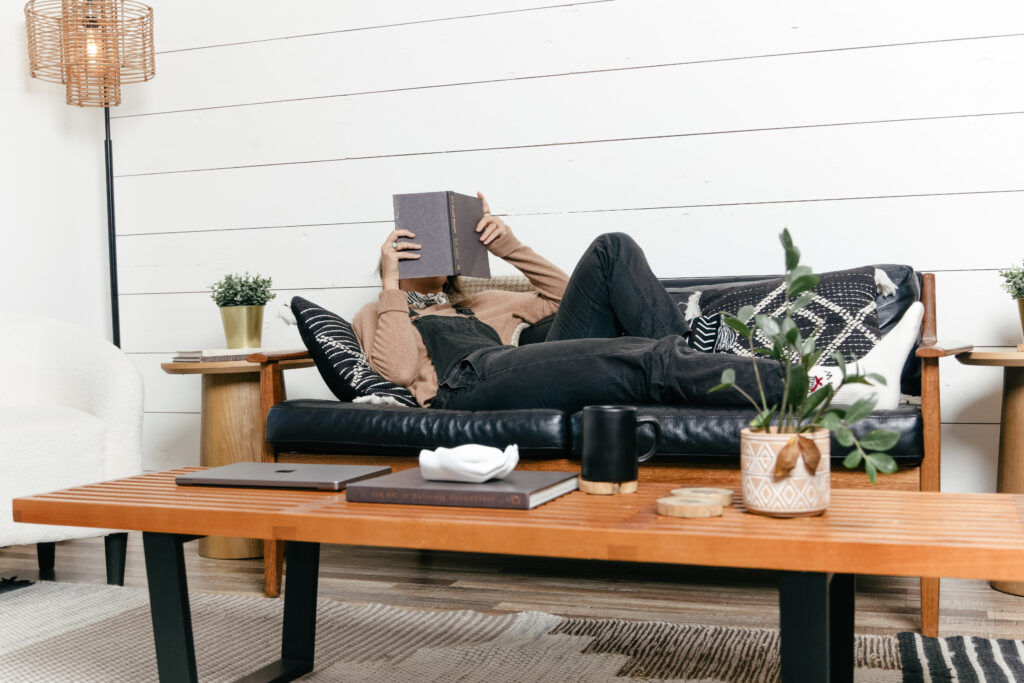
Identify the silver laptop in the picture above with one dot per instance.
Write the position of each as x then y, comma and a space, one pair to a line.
270, 475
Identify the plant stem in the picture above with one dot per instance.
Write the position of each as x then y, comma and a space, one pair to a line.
757, 374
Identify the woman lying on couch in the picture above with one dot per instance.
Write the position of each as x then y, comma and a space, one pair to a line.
617, 336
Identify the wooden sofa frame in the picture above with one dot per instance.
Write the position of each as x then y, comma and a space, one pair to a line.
924, 478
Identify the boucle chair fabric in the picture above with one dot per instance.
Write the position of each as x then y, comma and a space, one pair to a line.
70, 414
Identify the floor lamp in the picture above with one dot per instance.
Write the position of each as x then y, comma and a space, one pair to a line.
93, 47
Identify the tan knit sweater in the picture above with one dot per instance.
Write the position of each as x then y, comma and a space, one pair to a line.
393, 345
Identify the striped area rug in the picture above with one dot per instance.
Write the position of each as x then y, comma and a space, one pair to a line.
960, 659
54, 632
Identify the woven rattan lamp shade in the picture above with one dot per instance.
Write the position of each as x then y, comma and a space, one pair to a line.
91, 46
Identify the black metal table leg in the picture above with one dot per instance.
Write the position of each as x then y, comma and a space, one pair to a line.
298, 631
816, 613
168, 603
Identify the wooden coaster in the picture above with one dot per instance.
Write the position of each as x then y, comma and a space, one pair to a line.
689, 506
723, 496
607, 488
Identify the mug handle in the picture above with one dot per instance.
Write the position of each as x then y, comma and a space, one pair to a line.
657, 436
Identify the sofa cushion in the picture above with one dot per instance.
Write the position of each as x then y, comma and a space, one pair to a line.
317, 426
701, 432
890, 308
338, 356
842, 311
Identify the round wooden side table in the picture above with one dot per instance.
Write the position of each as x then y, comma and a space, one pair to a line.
231, 431
1011, 428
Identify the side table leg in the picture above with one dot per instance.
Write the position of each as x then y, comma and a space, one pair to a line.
168, 603
816, 613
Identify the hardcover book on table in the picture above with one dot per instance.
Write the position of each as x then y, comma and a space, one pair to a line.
522, 489
445, 227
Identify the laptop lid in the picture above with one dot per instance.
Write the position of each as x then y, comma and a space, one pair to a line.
281, 475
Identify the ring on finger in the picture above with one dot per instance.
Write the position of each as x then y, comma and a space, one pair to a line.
394, 245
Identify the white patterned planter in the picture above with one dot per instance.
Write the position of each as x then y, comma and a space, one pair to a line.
797, 494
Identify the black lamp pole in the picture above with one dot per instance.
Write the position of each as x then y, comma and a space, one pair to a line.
111, 233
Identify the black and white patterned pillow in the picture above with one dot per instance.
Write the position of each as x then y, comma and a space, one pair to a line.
843, 308
339, 357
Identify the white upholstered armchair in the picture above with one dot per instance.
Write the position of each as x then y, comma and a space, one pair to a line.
70, 414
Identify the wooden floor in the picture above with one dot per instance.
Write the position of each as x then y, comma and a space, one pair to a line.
497, 584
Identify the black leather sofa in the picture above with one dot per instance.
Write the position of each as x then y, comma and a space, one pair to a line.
690, 433
699, 446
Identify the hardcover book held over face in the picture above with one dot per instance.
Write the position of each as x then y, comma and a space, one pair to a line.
445, 227
522, 489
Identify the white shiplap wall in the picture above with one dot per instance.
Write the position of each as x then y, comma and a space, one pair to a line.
875, 131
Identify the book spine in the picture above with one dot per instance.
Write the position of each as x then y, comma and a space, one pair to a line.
374, 494
457, 264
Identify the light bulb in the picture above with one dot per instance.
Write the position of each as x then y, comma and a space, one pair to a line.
91, 48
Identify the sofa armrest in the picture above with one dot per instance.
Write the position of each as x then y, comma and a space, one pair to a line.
935, 349
272, 367
278, 356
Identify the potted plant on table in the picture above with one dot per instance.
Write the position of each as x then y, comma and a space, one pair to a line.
784, 453
241, 299
1013, 283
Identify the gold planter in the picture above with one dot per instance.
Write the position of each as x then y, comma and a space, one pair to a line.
243, 326
796, 494
1020, 309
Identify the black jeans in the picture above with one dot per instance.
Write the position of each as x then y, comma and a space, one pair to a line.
616, 339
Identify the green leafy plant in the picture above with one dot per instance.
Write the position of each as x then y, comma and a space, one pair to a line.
798, 411
242, 290
1013, 280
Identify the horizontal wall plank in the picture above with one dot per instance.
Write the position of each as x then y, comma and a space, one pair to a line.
562, 40
970, 454
951, 156
230, 21
813, 89
170, 440
971, 307
677, 242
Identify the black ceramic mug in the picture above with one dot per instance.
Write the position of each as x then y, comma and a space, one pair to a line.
610, 443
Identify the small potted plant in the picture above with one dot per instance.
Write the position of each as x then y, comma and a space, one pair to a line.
1013, 283
241, 299
784, 453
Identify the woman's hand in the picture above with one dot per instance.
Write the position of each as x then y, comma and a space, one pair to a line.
393, 251
490, 227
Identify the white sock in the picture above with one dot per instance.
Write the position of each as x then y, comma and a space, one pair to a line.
886, 359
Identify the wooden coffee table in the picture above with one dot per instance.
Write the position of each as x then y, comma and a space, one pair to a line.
898, 533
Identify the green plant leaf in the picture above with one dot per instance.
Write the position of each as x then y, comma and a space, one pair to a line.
767, 324
837, 356
883, 462
845, 437
803, 284
792, 253
869, 467
802, 301
796, 392
798, 272
737, 325
728, 380
852, 459
745, 313
880, 440
831, 420
763, 418
815, 400
877, 378
861, 409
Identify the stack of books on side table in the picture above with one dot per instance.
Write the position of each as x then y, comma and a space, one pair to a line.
213, 355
